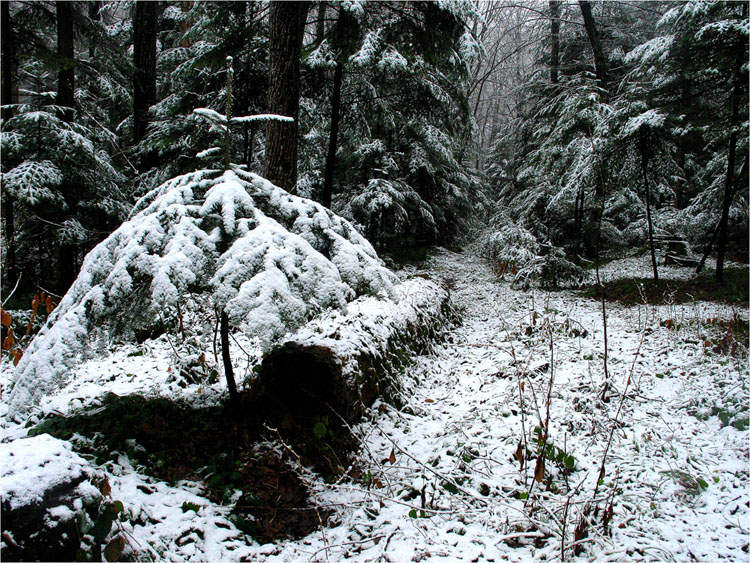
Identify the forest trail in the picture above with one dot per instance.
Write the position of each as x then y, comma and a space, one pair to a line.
673, 473
438, 478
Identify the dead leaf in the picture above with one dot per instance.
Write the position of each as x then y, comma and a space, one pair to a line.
539, 470
9, 341
17, 355
392, 457
5, 318
519, 454
105, 487
114, 548
429, 400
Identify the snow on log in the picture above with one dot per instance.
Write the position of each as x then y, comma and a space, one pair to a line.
346, 360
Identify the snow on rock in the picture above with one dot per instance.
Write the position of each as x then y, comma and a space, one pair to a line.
46, 491
272, 260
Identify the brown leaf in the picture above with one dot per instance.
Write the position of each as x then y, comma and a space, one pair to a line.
429, 400
105, 487
539, 470
4, 318
519, 455
392, 457
114, 548
9, 341
17, 354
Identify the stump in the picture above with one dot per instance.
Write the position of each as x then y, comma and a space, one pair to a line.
343, 361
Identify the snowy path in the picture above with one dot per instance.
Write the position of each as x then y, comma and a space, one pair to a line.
679, 484
438, 479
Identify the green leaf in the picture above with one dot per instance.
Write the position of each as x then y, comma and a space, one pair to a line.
412, 513
319, 430
702, 484
570, 461
523, 496
450, 487
117, 506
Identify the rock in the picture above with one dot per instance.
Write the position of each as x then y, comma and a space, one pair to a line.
48, 496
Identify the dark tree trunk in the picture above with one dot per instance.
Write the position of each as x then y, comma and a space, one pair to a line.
338, 76
66, 74
731, 157
9, 95
742, 176
644, 150
320, 27
65, 89
94, 6
287, 27
144, 61
600, 60
226, 358
554, 63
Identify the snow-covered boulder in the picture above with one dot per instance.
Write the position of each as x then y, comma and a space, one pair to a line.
227, 241
47, 495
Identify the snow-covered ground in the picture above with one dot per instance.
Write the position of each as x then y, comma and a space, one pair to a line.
438, 479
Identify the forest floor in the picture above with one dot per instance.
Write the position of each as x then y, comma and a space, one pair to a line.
452, 474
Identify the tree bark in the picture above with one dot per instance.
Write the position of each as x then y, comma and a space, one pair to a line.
554, 65
338, 76
94, 6
144, 61
9, 95
600, 60
731, 157
320, 26
287, 27
65, 90
226, 358
66, 73
644, 150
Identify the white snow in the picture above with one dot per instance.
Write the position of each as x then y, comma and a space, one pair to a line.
29, 467
675, 473
271, 259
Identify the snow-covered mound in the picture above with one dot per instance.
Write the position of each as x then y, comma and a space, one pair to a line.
226, 240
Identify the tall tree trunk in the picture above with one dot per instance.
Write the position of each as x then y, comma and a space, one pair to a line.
226, 358
320, 26
600, 60
287, 27
644, 150
731, 157
65, 89
9, 95
94, 6
144, 61
338, 76
554, 63
66, 73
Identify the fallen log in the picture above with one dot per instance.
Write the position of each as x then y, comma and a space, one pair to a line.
343, 361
